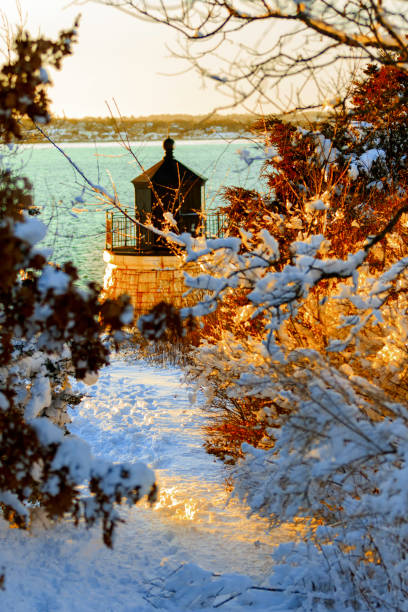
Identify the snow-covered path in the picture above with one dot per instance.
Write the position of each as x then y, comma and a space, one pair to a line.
163, 558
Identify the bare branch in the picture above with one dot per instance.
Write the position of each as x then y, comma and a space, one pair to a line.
310, 36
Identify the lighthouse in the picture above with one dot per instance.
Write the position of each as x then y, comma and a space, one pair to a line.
169, 186
139, 262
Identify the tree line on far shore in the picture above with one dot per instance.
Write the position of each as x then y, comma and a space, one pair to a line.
153, 127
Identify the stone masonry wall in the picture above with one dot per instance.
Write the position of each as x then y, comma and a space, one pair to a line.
148, 280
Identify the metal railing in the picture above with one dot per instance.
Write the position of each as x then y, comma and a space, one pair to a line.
215, 224
124, 235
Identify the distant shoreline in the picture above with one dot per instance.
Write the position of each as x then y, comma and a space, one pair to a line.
149, 129
154, 128
108, 143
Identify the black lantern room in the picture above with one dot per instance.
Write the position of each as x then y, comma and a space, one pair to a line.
169, 186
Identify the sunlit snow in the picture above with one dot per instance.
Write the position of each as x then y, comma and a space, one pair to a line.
192, 551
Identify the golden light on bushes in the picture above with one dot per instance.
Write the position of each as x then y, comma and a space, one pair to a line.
392, 353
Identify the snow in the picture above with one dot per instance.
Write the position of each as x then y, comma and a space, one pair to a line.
44, 76
271, 244
6, 497
127, 315
245, 155
316, 205
54, 279
170, 219
90, 378
31, 230
74, 455
40, 397
4, 403
47, 432
369, 157
365, 162
192, 551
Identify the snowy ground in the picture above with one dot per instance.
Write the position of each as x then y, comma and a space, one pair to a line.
191, 552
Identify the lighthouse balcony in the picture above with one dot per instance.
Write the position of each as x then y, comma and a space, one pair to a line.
126, 237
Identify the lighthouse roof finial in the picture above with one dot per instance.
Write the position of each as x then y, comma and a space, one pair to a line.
168, 146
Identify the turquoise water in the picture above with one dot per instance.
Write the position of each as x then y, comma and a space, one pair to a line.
77, 229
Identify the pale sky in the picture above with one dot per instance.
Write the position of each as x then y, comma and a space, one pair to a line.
123, 58
119, 57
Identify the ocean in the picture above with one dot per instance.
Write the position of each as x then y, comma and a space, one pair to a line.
77, 228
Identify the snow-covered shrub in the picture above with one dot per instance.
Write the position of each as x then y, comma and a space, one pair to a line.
339, 462
335, 420
343, 178
49, 330
313, 329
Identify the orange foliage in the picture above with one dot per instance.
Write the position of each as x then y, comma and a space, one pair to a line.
356, 166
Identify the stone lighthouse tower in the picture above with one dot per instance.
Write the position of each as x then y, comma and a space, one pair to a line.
138, 262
